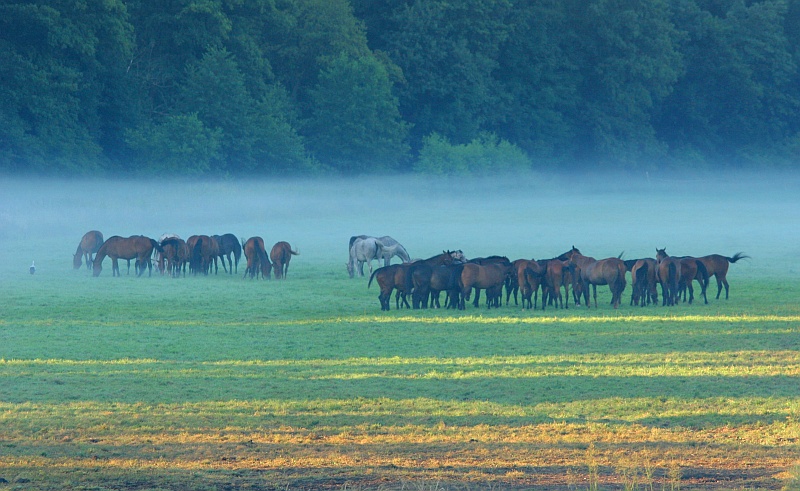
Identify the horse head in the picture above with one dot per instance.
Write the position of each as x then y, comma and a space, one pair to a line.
661, 254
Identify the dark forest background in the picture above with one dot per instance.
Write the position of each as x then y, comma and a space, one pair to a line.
288, 87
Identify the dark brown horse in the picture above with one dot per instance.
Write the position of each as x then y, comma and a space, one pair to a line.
228, 245
257, 259
419, 274
490, 277
90, 244
692, 269
717, 266
669, 275
445, 279
609, 271
530, 276
643, 278
281, 254
135, 247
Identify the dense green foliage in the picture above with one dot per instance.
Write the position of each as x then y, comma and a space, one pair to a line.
309, 86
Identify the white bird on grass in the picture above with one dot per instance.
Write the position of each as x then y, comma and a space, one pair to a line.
33, 267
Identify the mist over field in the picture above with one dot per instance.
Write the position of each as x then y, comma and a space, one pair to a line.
531, 216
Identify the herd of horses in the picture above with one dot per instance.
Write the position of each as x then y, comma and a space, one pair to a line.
423, 280
198, 254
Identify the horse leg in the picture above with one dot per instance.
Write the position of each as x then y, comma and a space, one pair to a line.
719, 286
691, 291
725, 283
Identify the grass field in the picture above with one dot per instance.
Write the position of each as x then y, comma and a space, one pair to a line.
222, 383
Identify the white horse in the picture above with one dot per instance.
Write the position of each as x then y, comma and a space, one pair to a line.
393, 248
363, 251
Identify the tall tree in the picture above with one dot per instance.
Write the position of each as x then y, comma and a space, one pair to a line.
738, 96
448, 52
355, 123
62, 67
629, 61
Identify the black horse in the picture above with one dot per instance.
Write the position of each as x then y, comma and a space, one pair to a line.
229, 244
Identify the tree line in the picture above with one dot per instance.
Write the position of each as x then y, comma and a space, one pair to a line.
286, 87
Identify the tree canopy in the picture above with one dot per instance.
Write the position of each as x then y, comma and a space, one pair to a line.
220, 87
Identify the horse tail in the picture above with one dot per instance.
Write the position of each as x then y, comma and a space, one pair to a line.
373, 275
737, 256
701, 268
672, 278
197, 256
294, 252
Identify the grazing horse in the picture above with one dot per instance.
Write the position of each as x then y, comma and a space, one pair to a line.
609, 271
643, 277
257, 258
175, 254
135, 247
363, 251
669, 275
490, 277
281, 254
228, 244
717, 266
90, 244
204, 252
391, 248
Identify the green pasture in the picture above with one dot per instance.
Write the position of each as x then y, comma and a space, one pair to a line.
223, 383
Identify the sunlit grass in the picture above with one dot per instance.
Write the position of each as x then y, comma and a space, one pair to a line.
270, 388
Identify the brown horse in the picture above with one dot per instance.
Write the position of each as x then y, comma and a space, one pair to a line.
531, 277
281, 254
203, 254
174, 256
717, 266
420, 272
609, 271
136, 247
556, 272
257, 258
643, 277
692, 269
389, 278
490, 277
90, 244
669, 275
445, 279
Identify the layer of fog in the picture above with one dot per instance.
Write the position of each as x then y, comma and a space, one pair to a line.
530, 216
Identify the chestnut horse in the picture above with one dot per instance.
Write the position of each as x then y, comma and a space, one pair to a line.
90, 244
203, 254
389, 278
609, 271
281, 254
691, 269
717, 266
490, 277
257, 258
135, 247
